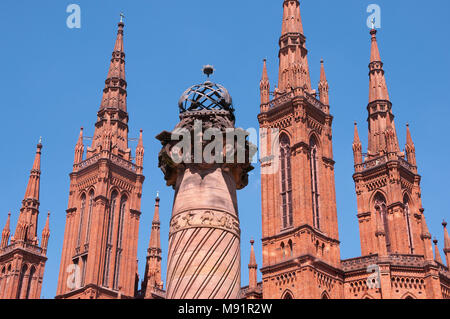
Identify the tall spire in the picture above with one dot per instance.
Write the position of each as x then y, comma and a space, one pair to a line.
436, 251
111, 129
357, 147
46, 233
264, 86
26, 228
382, 133
152, 278
323, 85
252, 268
6, 232
446, 243
115, 92
32, 191
378, 89
294, 70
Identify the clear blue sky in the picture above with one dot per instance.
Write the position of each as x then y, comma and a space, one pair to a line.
52, 79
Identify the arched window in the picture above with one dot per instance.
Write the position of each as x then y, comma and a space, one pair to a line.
30, 281
325, 296
288, 295
314, 181
283, 250
123, 203
109, 239
80, 226
408, 223
91, 207
21, 279
381, 209
286, 182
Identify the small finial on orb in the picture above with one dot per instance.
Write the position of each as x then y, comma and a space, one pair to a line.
122, 15
208, 70
40, 140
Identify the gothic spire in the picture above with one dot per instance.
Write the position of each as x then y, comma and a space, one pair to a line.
323, 85
357, 147
436, 251
115, 92
6, 232
294, 70
79, 149
155, 241
410, 148
26, 227
264, 85
46, 233
378, 89
32, 191
152, 278
252, 268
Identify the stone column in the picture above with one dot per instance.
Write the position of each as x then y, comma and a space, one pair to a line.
204, 239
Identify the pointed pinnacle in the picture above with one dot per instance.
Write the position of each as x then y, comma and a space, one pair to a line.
356, 139
265, 76
323, 76
409, 140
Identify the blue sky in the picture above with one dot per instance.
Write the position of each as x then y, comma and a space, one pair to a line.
52, 79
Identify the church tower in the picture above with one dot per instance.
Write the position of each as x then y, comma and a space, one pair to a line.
300, 230
22, 259
390, 213
102, 221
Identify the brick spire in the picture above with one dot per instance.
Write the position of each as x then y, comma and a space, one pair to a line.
264, 86
115, 92
79, 149
111, 129
152, 278
436, 252
410, 148
252, 269
378, 88
357, 147
32, 191
6, 232
294, 70
140, 153
323, 85
46, 233
26, 229
382, 133
446, 243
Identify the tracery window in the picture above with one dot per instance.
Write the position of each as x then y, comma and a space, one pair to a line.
123, 203
314, 182
381, 209
408, 223
286, 182
109, 239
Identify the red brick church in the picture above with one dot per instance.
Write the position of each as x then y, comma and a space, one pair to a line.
300, 240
